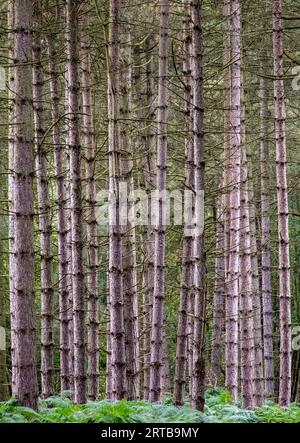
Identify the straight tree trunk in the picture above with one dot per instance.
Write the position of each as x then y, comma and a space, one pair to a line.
187, 248
282, 211
117, 329
156, 357
129, 237
45, 227
232, 299
23, 324
269, 388
63, 290
92, 240
75, 200
198, 374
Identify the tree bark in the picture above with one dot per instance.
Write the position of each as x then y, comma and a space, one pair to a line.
187, 247
44, 220
198, 374
75, 200
282, 210
92, 240
159, 232
117, 330
23, 324
231, 335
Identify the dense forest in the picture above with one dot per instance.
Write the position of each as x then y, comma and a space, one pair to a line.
150, 210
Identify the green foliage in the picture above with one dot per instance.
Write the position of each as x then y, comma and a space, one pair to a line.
218, 409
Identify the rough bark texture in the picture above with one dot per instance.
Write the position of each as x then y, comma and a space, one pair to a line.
198, 374
129, 238
267, 308
44, 220
231, 335
159, 234
75, 200
63, 290
23, 362
92, 240
187, 248
117, 330
282, 211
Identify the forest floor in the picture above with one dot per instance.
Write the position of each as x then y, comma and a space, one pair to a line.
218, 409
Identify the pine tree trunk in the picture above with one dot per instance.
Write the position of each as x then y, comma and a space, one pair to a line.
198, 374
156, 357
269, 388
92, 240
61, 219
23, 324
282, 210
232, 304
129, 237
187, 248
45, 227
76, 200
117, 330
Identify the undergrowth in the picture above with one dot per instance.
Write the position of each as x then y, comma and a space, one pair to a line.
218, 409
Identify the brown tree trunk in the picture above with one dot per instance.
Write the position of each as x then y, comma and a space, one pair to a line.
75, 200
92, 240
23, 325
45, 227
282, 211
64, 345
156, 356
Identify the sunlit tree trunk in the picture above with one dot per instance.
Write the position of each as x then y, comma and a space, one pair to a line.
75, 199
23, 324
282, 210
156, 354
44, 220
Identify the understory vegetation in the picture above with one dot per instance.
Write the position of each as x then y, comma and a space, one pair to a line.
218, 409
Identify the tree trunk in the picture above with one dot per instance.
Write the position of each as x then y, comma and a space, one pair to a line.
63, 290
156, 356
92, 240
282, 210
232, 304
45, 227
198, 373
187, 247
23, 325
75, 200
117, 330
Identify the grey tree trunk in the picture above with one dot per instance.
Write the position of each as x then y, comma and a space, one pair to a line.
117, 329
75, 200
187, 248
156, 351
44, 220
269, 388
22, 322
198, 374
282, 211
92, 239
232, 304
